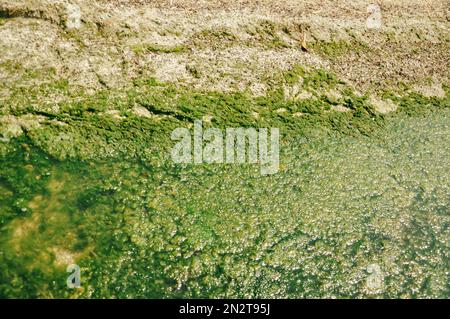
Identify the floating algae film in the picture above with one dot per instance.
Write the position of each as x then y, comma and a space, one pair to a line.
345, 217
224, 149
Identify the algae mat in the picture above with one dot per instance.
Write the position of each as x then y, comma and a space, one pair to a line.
346, 216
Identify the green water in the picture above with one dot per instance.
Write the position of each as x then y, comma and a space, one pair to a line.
339, 204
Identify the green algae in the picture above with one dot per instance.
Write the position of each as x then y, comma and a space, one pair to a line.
213, 38
93, 126
154, 48
339, 204
337, 49
94, 184
105, 124
264, 33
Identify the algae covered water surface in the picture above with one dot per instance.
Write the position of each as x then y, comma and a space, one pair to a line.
346, 216
91, 93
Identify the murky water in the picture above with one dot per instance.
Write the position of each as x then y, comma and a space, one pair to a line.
344, 217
